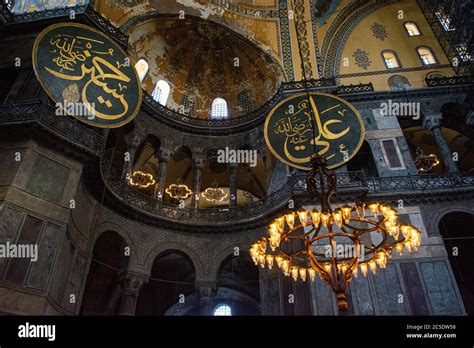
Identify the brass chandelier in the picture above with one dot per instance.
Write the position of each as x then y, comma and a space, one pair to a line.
214, 193
178, 191
334, 244
141, 180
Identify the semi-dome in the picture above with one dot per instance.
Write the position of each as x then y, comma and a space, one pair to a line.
202, 61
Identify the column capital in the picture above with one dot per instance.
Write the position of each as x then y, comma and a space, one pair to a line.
199, 162
132, 139
432, 121
206, 290
133, 282
164, 154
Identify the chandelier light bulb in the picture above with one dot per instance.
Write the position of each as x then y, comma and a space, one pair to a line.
374, 209
355, 272
363, 269
279, 261
294, 273
303, 274
261, 260
290, 220
346, 212
360, 207
312, 274
303, 216
325, 218
338, 218
373, 266
285, 266
269, 261
316, 218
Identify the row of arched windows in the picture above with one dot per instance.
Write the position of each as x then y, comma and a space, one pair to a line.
391, 60
161, 93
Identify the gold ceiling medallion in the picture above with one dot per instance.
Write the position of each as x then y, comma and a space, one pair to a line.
141, 180
178, 190
87, 75
334, 244
214, 193
309, 123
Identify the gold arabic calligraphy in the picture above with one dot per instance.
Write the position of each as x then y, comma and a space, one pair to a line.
297, 127
74, 52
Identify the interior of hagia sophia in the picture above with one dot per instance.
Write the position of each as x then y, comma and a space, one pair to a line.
210, 71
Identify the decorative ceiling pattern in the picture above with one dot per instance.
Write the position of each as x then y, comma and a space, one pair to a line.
204, 60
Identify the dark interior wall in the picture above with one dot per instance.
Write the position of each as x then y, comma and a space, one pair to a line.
104, 275
456, 229
172, 275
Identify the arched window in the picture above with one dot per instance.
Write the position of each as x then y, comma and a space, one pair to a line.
161, 92
222, 310
390, 59
219, 109
398, 82
427, 56
412, 29
142, 68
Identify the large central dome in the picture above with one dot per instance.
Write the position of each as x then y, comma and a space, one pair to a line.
202, 61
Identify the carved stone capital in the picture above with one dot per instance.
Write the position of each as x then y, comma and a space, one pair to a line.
164, 154
132, 283
199, 162
206, 290
432, 121
132, 139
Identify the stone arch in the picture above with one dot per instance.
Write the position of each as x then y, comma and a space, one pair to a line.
441, 213
223, 254
103, 288
118, 229
172, 280
341, 33
181, 248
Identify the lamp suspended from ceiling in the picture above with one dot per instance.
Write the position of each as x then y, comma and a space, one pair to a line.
214, 193
141, 180
178, 190
335, 244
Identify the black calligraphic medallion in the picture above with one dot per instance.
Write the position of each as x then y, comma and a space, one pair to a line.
337, 135
87, 75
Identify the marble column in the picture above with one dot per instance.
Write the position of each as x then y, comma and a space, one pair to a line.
207, 293
433, 123
233, 184
132, 144
163, 156
197, 179
131, 286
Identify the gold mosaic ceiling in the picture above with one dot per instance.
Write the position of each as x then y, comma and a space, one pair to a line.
204, 60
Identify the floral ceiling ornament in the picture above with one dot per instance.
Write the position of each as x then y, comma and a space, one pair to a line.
362, 58
141, 180
379, 31
178, 191
214, 193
